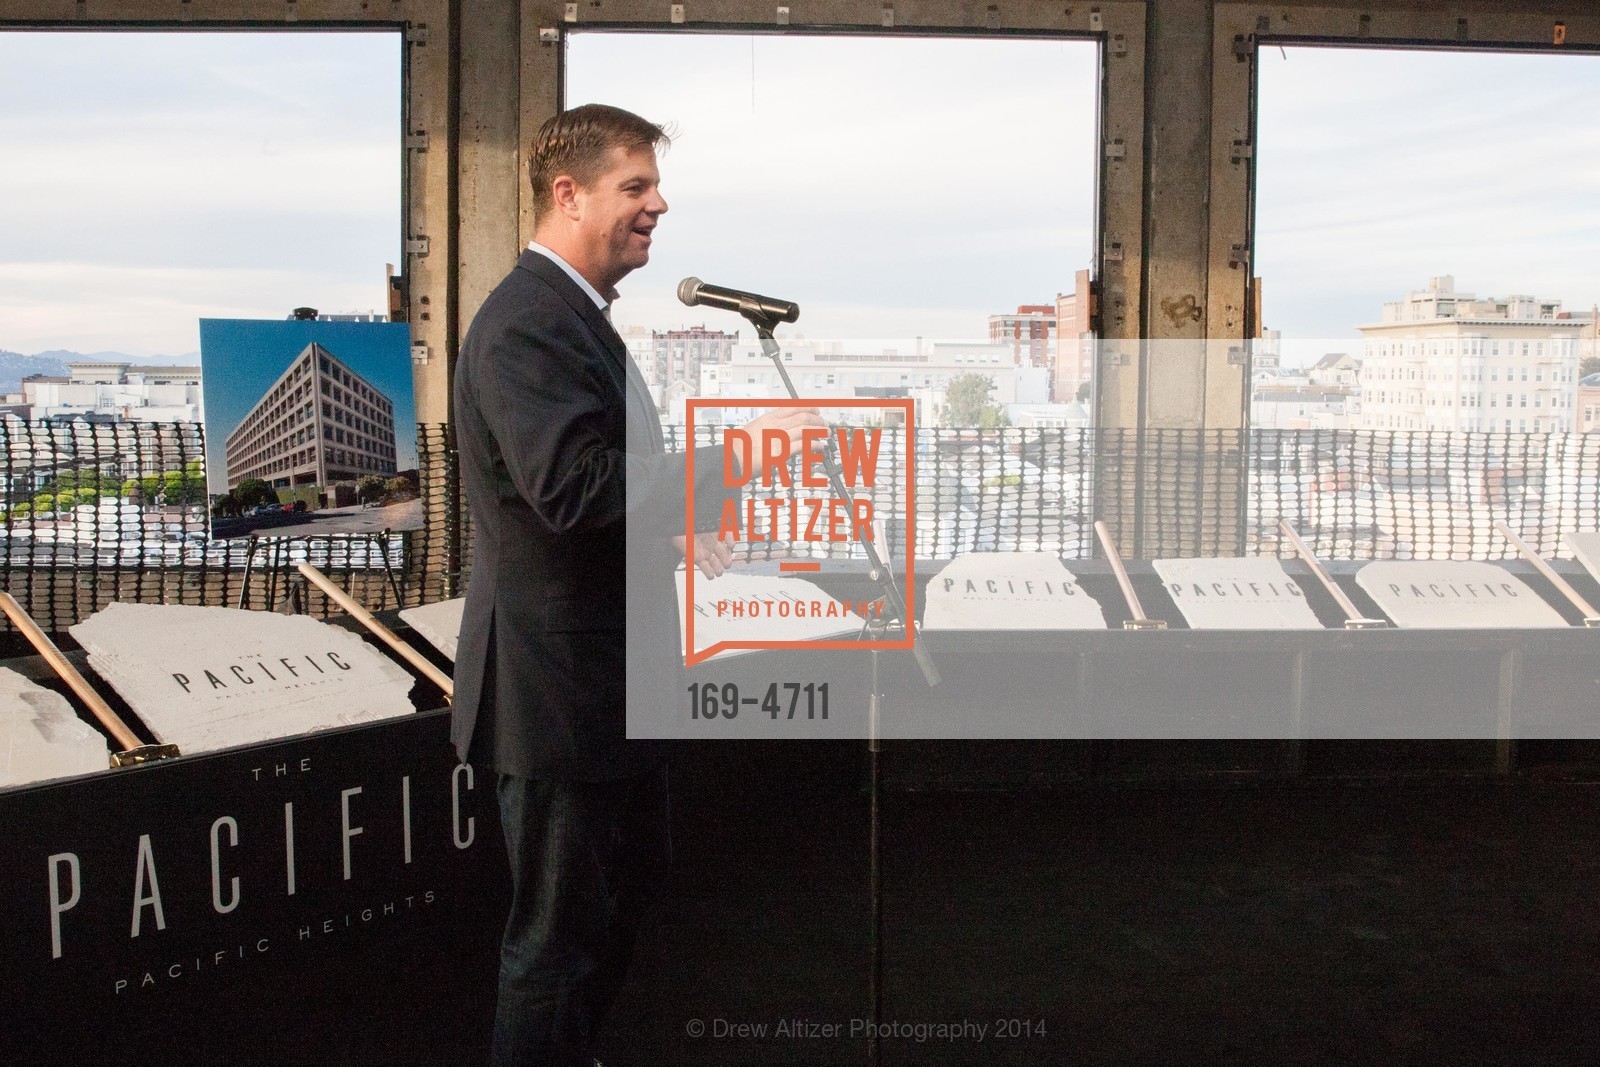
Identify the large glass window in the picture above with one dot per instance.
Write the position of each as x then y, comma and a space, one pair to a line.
903, 191
150, 179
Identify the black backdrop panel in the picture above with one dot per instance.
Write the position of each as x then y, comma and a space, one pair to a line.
162, 913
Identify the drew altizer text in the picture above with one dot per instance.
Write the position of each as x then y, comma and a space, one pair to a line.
817, 488
817, 519
232, 859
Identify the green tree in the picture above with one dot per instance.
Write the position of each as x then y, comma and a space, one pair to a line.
369, 488
183, 487
1083, 393
965, 397
993, 418
87, 495
966, 402
253, 492
226, 506
1589, 365
132, 488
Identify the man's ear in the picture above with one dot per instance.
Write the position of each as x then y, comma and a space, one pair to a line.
566, 194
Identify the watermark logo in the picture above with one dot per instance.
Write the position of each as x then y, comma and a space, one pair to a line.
777, 490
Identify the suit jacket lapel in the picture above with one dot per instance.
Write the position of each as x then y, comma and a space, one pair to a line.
630, 383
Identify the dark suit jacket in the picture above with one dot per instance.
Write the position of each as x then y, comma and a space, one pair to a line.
561, 452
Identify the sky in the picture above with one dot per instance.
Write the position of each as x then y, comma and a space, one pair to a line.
1377, 170
150, 179
242, 359
893, 187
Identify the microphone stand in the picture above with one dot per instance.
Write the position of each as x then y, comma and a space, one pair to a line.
875, 629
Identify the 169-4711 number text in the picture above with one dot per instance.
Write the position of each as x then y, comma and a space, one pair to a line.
780, 700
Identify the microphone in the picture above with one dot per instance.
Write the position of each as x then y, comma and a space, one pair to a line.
693, 291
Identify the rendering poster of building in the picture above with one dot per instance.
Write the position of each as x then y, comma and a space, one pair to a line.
310, 427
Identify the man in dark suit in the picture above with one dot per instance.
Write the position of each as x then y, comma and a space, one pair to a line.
578, 514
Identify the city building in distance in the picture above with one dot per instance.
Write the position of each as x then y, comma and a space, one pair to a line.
110, 391
678, 355
821, 370
318, 424
1445, 360
1073, 369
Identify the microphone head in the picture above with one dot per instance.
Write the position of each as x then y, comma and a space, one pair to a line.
689, 291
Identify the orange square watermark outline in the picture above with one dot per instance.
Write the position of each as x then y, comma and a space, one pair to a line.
907, 407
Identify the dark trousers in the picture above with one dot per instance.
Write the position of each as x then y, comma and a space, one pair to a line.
588, 862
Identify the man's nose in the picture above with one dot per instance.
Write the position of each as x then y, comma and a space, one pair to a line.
658, 206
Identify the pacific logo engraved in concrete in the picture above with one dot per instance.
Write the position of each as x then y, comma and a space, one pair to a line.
210, 678
1009, 591
1454, 595
1236, 594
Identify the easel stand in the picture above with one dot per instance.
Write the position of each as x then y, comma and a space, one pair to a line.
278, 559
876, 629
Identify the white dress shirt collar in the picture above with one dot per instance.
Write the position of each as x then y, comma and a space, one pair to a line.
583, 283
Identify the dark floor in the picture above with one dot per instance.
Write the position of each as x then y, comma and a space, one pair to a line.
1438, 920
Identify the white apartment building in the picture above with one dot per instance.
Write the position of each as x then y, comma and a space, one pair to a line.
112, 391
1300, 409
1445, 360
916, 368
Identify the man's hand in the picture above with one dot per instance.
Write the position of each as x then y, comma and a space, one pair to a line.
711, 555
790, 420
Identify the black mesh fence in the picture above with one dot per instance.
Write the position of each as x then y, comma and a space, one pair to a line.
1350, 494
1372, 494
103, 512
95, 513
